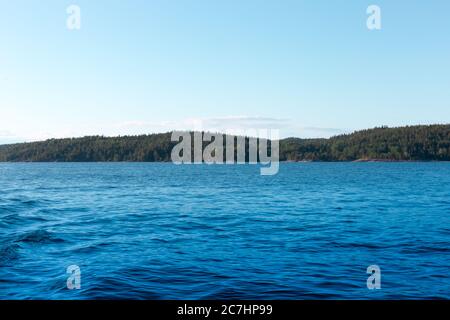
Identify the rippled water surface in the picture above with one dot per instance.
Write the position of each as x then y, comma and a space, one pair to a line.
160, 231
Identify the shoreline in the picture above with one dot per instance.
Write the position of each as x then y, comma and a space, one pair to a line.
281, 161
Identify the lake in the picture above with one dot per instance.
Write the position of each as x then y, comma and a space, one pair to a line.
161, 231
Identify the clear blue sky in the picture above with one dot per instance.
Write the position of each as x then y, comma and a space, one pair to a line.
311, 67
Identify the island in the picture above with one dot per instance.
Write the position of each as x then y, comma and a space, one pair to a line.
409, 143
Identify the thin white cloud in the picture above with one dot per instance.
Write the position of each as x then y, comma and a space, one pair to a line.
286, 127
6, 134
228, 124
217, 124
318, 132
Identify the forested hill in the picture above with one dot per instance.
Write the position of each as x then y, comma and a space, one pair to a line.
390, 144
421, 143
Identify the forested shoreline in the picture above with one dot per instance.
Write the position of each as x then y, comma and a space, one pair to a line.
411, 143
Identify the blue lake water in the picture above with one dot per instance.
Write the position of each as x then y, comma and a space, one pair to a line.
160, 231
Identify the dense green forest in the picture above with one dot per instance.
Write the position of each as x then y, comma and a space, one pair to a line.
418, 143
391, 144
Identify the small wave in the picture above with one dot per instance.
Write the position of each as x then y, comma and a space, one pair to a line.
26, 202
9, 253
117, 287
89, 248
362, 245
426, 250
38, 236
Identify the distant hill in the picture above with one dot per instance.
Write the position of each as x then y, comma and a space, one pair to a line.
412, 143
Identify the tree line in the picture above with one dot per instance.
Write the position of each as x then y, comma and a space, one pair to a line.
415, 143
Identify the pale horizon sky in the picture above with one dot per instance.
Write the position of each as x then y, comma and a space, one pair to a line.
309, 68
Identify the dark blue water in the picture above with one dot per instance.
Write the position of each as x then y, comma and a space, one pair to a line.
160, 231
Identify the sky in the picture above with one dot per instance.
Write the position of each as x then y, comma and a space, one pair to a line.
308, 68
